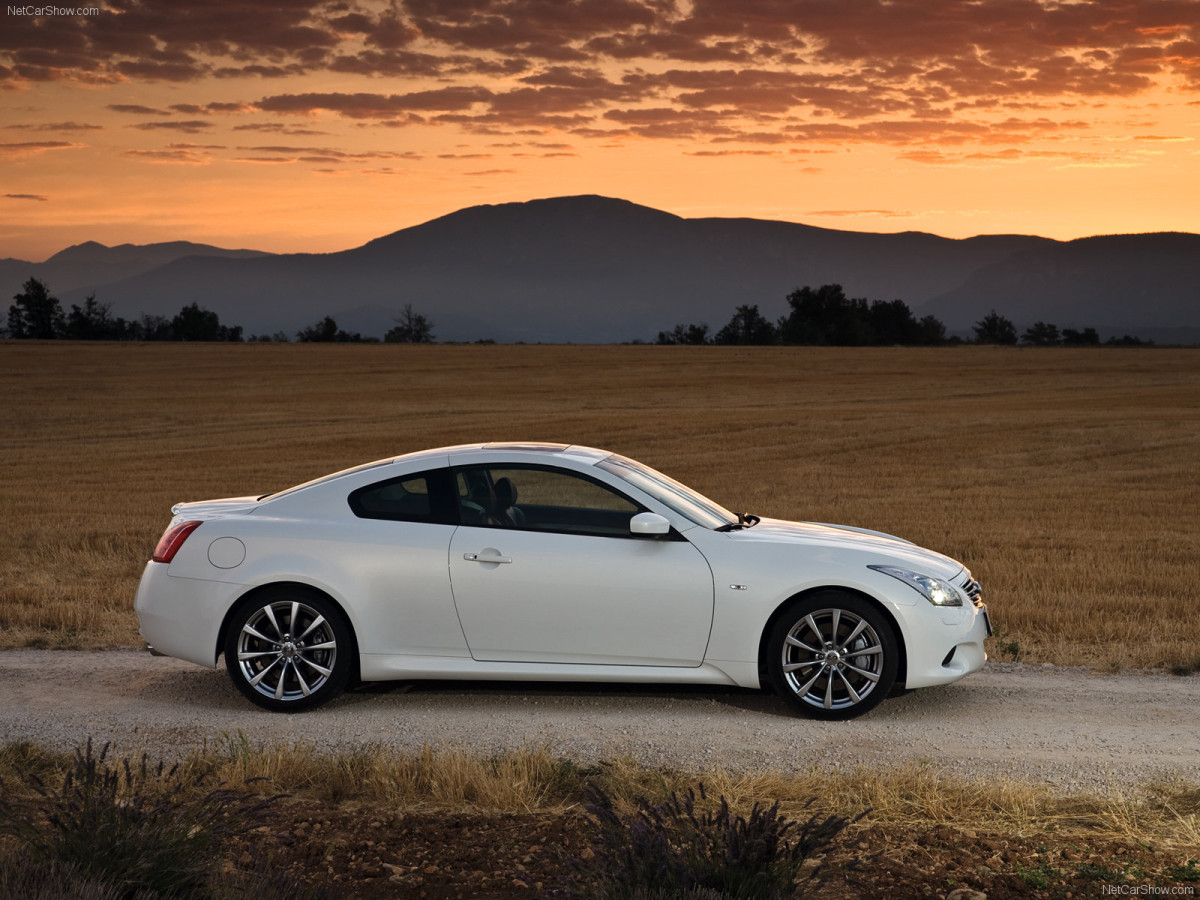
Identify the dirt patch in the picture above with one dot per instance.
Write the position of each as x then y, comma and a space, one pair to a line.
369, 852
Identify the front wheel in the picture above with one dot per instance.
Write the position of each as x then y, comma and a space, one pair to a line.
833, 655
289, 649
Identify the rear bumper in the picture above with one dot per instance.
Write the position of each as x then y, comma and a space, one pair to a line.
181, 617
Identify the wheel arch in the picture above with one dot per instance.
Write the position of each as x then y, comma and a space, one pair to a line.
764, 638
249, 596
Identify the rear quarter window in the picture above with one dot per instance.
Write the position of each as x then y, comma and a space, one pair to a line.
409, 498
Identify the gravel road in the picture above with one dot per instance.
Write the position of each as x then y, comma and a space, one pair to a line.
1065, 726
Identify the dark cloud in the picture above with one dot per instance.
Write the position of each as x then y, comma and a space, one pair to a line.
58, 126
515, 121
670, 122
390, 63
889, 213
189, 126
941, 157
540, 29
758, 71
176, 155
730, 152
280, 128
366, 106
259, 71
289, 155
138, 110
524, 102
33, 148
182, 69
41, 198
568, 77
681, 47
1101, 47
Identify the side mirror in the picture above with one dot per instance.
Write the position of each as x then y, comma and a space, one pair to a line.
649, 523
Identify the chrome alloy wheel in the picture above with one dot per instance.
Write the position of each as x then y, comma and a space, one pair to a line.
287, 650
832, 659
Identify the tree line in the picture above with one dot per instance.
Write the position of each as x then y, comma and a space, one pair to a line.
37, 314
822, 316
825, 316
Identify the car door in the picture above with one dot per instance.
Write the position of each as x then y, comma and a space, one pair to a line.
392, 562
544, 569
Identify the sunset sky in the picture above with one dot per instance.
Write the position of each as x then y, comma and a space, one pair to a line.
316, 126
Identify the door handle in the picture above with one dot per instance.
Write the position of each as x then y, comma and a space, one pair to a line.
475, 557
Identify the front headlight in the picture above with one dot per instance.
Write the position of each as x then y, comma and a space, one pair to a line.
936, 591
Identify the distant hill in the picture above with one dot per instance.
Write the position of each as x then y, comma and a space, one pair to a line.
90, 266
1148, 283
596, 269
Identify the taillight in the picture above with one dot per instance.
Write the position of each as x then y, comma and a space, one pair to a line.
172, 540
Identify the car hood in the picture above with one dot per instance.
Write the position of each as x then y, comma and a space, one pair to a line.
889, 547
207, 509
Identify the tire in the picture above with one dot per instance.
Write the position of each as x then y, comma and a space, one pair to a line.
833, 655
289, 648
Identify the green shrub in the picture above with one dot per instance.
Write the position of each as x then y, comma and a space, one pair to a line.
668, 849
34, 880
1188, 872
136, 828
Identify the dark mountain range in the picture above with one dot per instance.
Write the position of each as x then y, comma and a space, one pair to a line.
90, 266
594, 269
1146, 284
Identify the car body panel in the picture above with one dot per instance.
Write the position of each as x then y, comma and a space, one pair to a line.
692, 606
207, 509
769, 571
181, 617
830, 541
575, 598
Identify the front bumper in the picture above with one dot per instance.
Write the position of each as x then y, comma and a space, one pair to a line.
949, 646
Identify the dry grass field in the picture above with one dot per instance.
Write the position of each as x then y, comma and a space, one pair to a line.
373, 824
1067, 480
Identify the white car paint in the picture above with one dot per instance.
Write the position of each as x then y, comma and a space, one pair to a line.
476, 601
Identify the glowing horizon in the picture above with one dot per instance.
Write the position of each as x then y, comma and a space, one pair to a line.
321, 126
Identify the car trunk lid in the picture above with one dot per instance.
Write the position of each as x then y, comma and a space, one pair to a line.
208, 509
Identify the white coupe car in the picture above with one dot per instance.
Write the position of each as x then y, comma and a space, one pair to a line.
548, 562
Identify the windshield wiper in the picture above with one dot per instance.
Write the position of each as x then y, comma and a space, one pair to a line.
744, 520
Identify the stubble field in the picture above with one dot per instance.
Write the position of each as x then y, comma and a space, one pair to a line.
1067, 480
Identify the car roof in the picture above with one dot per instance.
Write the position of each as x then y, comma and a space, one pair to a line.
509, 449
462, 454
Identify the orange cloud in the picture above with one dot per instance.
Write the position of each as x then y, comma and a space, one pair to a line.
33, 148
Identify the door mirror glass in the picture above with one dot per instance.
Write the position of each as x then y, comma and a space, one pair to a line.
649, 523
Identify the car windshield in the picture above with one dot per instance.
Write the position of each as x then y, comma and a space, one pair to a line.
679, 497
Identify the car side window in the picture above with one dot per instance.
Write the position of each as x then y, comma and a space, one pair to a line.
409, 498
533, 498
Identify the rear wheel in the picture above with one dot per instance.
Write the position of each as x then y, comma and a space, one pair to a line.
289, 649
833, 655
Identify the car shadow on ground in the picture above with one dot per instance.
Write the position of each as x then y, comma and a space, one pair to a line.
567, 693
213, 690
